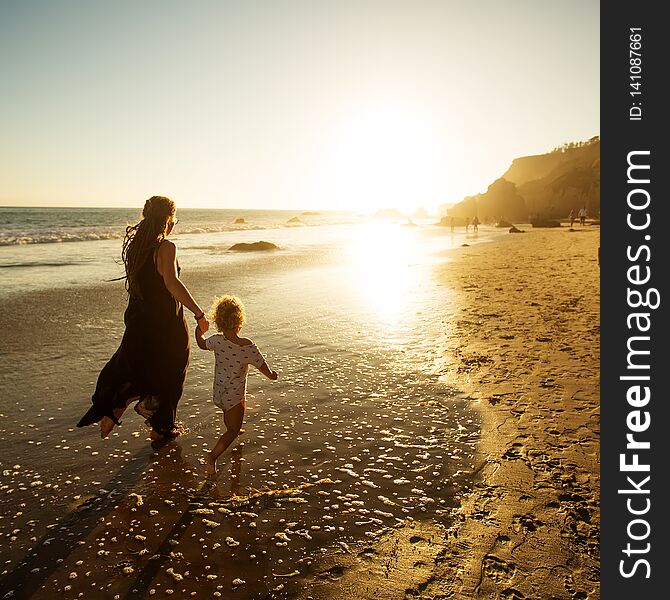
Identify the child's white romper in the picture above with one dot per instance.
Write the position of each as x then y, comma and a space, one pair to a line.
232, 366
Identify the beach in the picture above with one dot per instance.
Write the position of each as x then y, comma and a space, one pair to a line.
433, 433
533, 522
406, 201
524, 348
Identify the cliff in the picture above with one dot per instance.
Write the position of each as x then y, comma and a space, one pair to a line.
547, 185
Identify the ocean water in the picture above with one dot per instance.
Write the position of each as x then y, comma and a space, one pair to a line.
59, 247
350, 313
21, 226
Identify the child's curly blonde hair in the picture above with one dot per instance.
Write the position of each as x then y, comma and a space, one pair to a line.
228, 313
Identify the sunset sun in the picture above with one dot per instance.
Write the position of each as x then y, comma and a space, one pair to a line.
385, 158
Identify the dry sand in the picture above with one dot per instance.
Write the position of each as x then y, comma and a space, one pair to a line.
524, 346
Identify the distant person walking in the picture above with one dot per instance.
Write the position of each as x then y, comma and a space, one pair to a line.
582, 216
572, 218
150, 364
475, 224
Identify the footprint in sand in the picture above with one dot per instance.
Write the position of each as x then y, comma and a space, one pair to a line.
528, 522
480, 515
335, 572
502, 539
511, 594
513, 452
497, 569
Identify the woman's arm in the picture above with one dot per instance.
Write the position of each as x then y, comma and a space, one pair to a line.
166, 263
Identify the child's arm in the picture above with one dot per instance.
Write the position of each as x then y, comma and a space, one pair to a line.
268, 372
261, 364
200, 339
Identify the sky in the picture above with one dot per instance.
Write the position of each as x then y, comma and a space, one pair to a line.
293, 104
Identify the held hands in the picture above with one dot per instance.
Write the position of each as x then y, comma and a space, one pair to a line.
203, 324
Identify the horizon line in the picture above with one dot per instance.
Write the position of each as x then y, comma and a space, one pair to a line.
139, 207
430, 212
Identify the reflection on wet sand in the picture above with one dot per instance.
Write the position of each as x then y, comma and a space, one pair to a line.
358, 438
383, 274
363, 468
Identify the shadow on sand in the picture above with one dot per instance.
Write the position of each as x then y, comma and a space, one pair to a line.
63, 537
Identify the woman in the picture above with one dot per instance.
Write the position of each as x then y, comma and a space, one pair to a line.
150, 365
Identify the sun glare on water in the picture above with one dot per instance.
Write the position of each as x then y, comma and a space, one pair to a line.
384, 271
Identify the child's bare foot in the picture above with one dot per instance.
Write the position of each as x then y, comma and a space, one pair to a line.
210, 465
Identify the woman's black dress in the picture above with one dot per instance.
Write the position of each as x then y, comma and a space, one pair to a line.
152, 359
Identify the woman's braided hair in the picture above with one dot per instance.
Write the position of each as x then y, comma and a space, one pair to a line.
142, 239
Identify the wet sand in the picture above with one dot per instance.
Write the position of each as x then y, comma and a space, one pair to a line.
524, 347
357, 438
363, 471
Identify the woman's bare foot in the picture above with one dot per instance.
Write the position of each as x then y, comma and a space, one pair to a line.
106, 426
211, 465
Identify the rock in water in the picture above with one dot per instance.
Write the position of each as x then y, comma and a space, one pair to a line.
537, 222
253, 247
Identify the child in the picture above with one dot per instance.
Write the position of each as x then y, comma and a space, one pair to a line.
233, 356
